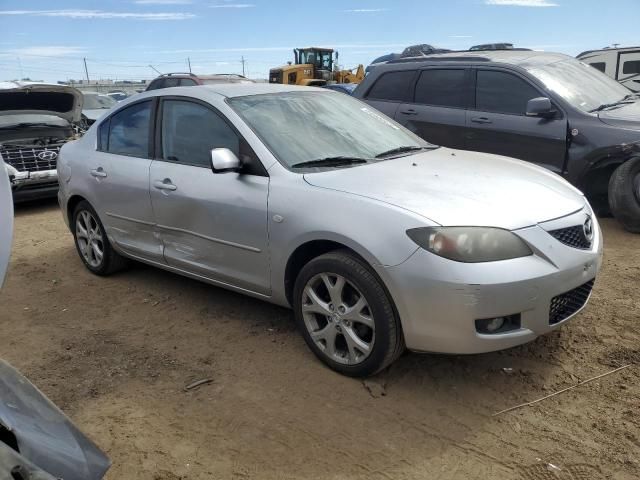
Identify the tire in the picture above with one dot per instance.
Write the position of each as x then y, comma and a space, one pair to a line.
624, 194
89, 241
362, 334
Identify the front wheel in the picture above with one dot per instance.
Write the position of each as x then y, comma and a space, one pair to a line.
624, 194
345, 315
92, 243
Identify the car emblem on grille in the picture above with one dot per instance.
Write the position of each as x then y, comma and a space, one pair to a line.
47, 155
587, 228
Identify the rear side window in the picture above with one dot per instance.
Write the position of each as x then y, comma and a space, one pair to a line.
599, 66
187, 82
503, 92
444, 88
631, 66
393, 86
129, 131
156, 84
103, 136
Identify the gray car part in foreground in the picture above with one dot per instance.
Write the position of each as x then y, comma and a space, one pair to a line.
37, 441
301, 237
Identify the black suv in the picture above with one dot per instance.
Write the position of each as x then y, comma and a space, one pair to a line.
545, 108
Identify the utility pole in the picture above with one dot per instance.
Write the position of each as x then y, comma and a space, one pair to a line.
86, 71
189, 62
243, 62
155, 69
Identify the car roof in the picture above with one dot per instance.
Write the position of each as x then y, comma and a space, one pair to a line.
231, 90
521, 58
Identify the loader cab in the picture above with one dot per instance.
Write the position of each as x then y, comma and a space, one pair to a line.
320, 58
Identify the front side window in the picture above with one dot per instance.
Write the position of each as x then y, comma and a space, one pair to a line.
129, 131
444, 88
392, 86
303, 126
187, 82
502, 92
190, 131
631, 67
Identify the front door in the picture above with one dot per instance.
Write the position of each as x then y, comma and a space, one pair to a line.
437, 111
499, 124
212, 225
119, 173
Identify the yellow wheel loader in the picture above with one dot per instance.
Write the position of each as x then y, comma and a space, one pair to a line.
314, 67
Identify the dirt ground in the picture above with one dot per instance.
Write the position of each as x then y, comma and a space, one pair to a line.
116, 353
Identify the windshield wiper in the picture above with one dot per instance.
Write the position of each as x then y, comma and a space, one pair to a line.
624, 101
405, 149
332, 162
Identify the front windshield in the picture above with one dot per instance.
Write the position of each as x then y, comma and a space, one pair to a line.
304, 126
579, 84
322, 60
98, 101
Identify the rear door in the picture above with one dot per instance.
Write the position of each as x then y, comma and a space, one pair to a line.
498, 123
437, 110
119, 173
212, 225
628, 69
390, 90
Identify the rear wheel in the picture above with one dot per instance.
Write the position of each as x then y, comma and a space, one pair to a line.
92, 243
624, 194
346, 316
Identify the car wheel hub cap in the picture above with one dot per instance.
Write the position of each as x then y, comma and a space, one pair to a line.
89, 238
346, 336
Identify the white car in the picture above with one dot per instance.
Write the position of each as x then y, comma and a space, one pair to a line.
311, 199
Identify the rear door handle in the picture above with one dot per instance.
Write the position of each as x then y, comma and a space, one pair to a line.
409, 111
165, 185
482, 120
98, 172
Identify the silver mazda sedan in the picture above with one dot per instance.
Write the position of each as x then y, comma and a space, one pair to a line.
311, 199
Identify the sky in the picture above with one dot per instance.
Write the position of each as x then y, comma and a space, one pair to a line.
49, 40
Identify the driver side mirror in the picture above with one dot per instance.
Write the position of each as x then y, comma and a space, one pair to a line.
224, 160
540, 107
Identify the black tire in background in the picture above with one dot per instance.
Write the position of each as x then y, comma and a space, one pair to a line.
111, 260
389, 341
624, 194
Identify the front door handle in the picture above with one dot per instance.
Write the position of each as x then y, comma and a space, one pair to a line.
408, 111
482, 120
165, 185
98, 172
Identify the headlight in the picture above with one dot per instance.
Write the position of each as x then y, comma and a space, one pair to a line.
470, 244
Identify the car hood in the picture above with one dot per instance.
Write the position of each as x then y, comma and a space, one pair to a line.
44, 436
40, 98
453, 187
94, 113
626, 116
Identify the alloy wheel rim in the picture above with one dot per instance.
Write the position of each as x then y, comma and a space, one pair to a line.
89, 238
338, 318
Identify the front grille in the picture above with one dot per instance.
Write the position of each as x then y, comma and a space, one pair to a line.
29, 158
572, 236
565, 305
275, 76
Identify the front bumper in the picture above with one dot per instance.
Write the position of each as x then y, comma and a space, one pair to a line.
32, 185
439, 300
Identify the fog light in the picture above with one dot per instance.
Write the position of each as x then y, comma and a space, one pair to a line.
490, 326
